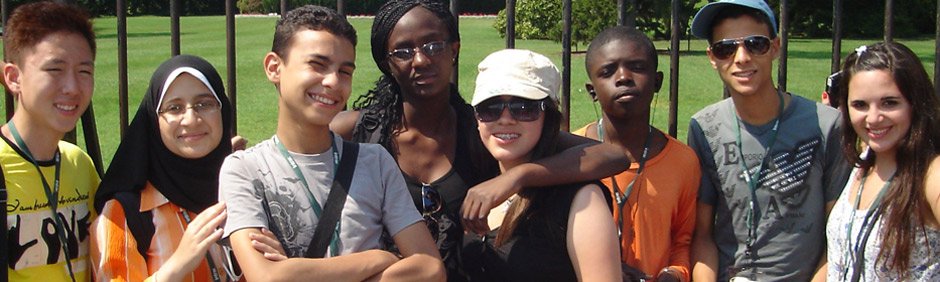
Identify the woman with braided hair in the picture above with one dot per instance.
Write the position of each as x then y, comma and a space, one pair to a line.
417, 114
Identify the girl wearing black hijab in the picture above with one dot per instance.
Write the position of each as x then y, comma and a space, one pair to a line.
163, 174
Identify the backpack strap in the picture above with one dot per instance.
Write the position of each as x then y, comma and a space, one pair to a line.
323, 233
368, 128
139, 222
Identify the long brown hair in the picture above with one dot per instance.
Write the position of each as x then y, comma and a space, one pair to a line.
546, 146
905, 199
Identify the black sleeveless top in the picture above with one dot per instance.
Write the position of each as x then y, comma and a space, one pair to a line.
538, 249
472, 164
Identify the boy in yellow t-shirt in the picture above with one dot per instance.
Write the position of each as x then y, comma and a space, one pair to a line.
47, 183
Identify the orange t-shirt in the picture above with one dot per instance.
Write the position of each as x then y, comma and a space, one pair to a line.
114, 252
659, 215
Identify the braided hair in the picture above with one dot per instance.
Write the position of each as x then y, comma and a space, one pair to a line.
385, 99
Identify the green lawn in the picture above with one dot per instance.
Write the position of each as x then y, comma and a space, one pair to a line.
149, 44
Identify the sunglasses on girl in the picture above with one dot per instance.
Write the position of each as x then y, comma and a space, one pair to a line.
429, 49
755, 44
520, 109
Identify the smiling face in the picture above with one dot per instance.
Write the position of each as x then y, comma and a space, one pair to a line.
623, 78
510, 141
315, 79
880, 114
192, 134
54, 82
423, 75
745, 73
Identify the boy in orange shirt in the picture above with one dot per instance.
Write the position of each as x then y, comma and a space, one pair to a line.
654, 200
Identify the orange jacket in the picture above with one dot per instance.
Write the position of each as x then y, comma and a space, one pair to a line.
114, 252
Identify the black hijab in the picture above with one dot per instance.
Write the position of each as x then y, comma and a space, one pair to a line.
189, 183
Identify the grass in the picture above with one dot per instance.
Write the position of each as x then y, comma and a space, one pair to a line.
149, 45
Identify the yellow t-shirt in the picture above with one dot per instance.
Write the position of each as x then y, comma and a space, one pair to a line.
36, 252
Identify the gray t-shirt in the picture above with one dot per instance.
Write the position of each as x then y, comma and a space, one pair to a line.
377, 198
805, 170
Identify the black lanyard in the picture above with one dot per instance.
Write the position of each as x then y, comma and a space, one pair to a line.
52, 194
752, 215
212, 269
334, 243
869, 218
621, 198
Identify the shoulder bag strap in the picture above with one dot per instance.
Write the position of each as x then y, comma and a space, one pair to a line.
334, 202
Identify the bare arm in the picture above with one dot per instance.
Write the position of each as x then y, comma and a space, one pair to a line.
592, 237
932, 187
421, 261
351, 267
704, 250
584, 160
344, 123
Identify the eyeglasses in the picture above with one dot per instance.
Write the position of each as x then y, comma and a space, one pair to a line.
430, 204
520, 109
429, 49
175, 111
755, 44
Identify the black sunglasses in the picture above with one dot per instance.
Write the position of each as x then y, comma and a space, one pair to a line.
430, 204
430, 200
430, 49
755, 44
520, 109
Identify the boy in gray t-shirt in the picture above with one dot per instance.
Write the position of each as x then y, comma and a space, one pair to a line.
772, 164
280, 183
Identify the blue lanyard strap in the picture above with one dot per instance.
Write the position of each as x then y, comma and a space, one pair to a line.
621, 198
752, 215
52, 194
334, 242
859, 242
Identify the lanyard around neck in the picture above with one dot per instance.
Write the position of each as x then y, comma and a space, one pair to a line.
621, 198
752, 216
334, 243
52, 194
213, 270
859, 242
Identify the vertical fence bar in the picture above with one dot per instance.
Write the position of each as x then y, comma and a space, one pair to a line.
230, 61
630, 19
837, 35
8, 98
341, 7
674, 70
566, 64
122, 63
784, 43
936, 58
621, 13
510, 24
455, 10
90, 131
889, 20
174, 27
283, 8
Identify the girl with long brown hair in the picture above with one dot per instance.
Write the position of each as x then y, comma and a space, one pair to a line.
884, 226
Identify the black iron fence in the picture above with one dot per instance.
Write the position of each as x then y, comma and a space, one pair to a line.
624, 18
